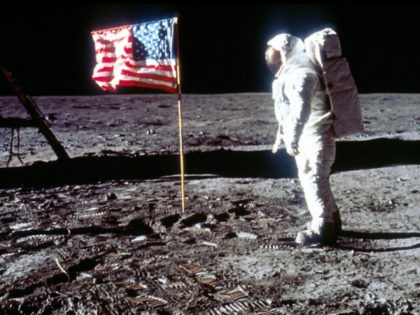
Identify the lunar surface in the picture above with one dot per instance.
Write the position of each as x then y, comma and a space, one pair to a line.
104, 232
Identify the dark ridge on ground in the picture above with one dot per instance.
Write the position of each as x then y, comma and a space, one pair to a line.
351, 155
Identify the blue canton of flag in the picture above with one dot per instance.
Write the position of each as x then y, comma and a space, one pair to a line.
153, 41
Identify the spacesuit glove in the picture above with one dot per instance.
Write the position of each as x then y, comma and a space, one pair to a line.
279, 137
276, 145
292, 148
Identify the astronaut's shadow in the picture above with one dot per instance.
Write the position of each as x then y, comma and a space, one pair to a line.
360, 241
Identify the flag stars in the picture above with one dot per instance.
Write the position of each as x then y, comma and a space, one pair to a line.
152, 41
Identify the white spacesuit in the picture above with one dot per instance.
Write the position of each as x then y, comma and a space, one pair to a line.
303, 113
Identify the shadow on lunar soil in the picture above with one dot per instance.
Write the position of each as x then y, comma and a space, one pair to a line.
351, 155
364, 241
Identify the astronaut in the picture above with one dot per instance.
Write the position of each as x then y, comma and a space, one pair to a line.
304, 118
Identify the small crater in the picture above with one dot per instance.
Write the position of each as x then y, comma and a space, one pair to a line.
360, 283
223, 217
20, 292
194, 219
170, 220
138, 227
239, 212
230, 235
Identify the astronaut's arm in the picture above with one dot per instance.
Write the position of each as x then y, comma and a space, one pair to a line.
277, 112
300, 94
279, 137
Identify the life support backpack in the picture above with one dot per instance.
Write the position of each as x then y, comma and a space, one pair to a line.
324, 49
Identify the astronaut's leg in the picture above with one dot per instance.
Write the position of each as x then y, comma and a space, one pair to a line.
314, 165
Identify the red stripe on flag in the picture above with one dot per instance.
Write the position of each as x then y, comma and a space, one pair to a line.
105, 69
146, 75
159, 67
108, 59
102, 79
102, 50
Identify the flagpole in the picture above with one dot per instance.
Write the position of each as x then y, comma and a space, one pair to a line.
181, 151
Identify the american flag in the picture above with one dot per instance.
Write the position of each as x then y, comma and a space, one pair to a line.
140, 55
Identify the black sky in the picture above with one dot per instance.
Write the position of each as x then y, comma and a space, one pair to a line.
50, 49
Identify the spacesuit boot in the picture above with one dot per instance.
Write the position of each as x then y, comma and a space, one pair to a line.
325, 234
336, 220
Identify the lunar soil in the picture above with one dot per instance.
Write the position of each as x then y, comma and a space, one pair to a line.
104, 232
